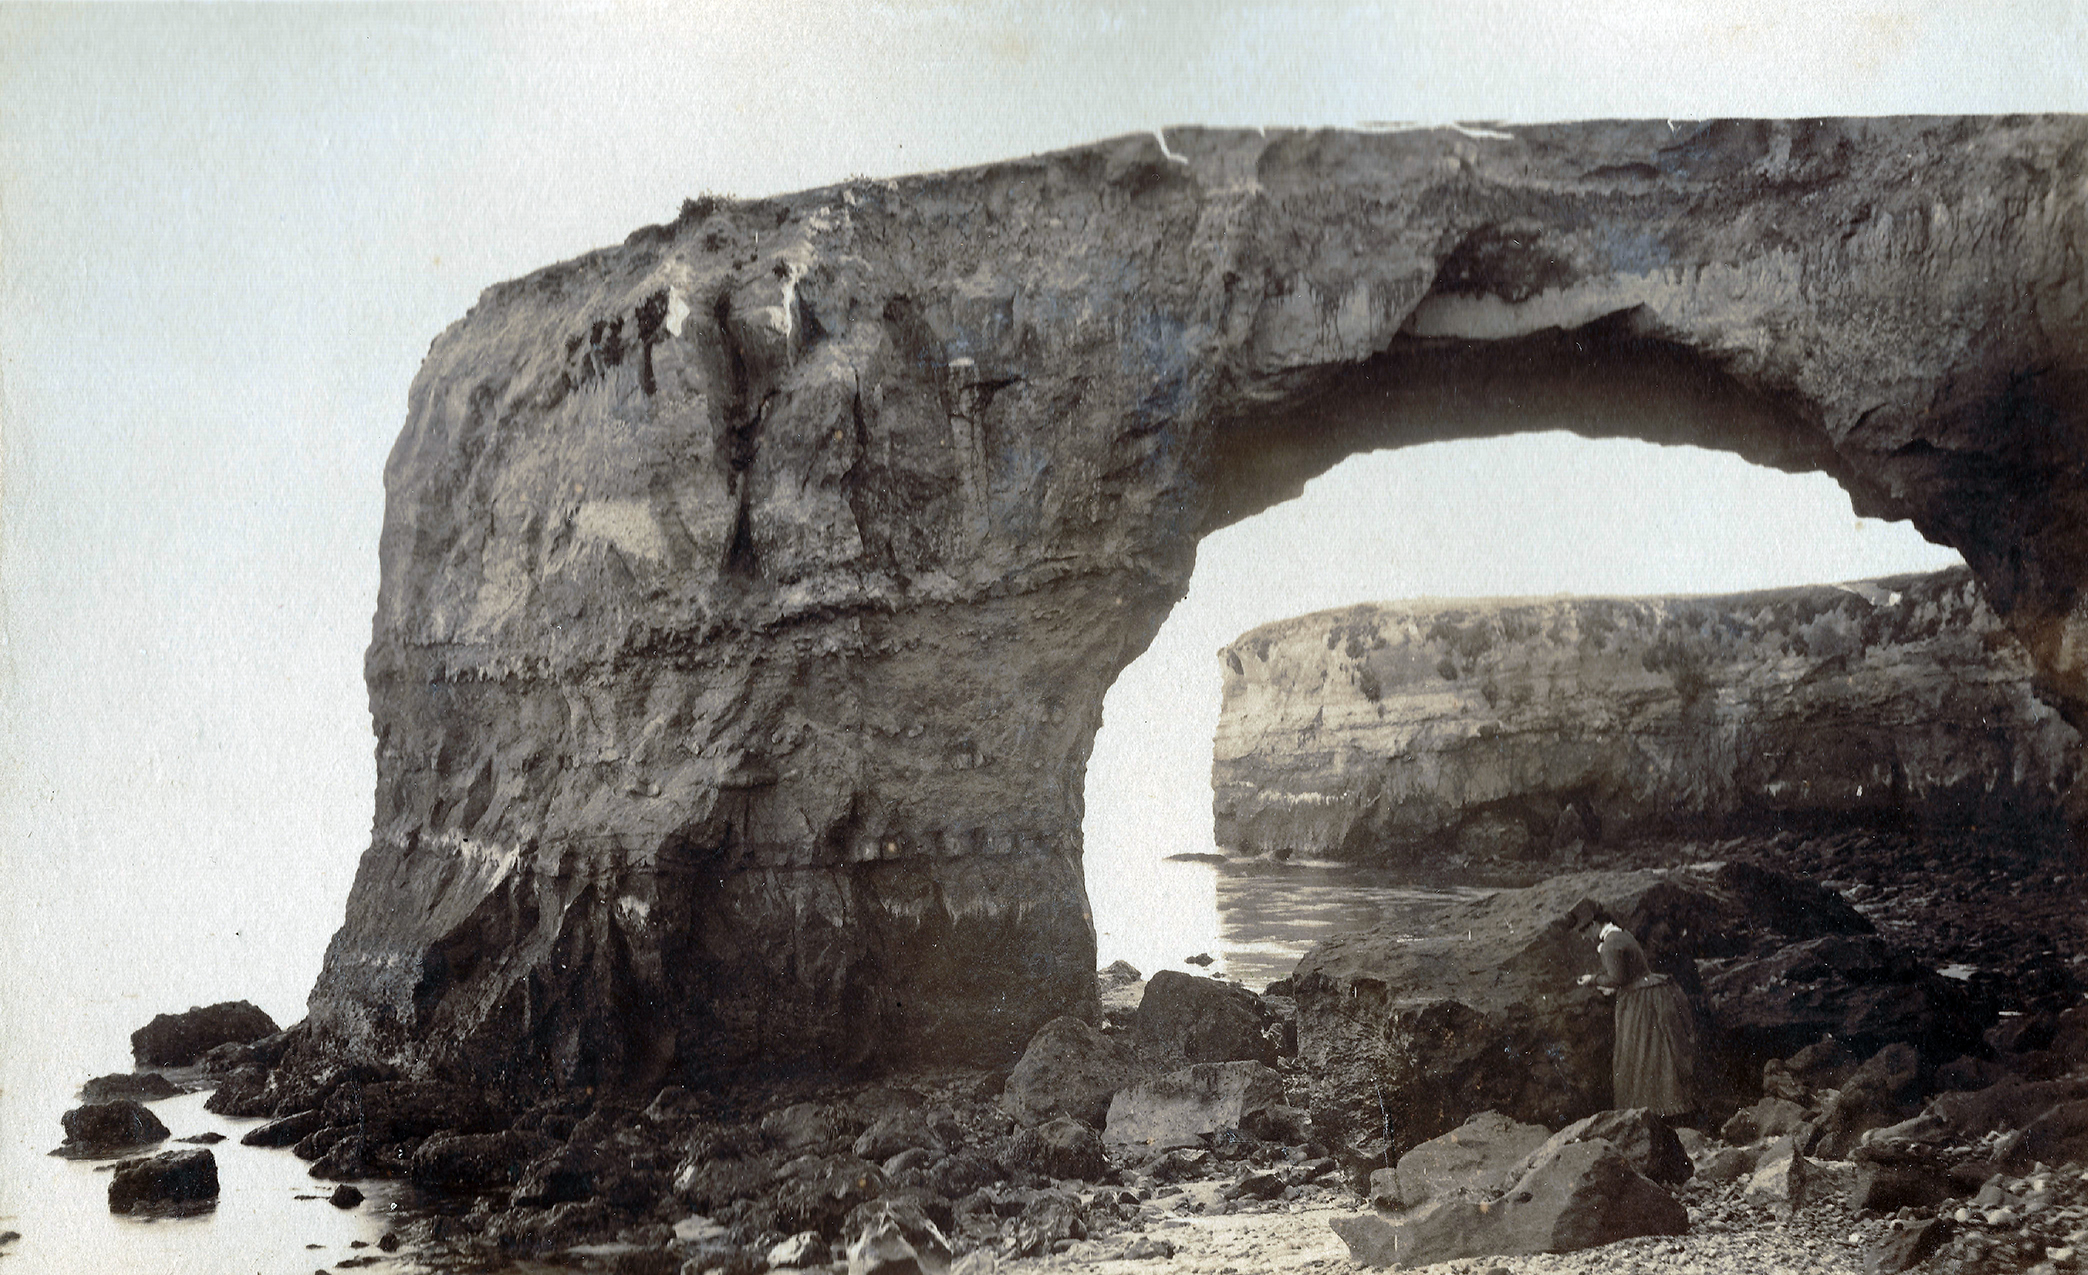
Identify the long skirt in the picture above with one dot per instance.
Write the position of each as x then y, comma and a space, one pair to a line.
1655, 1059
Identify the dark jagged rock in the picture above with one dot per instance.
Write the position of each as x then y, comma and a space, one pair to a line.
142, 1086
1885, 1090
1856, 988
1905, 1249
1404, 1037
750, 589
1425, 732
1069, 1069
172, 1180
102, 1129
472, 1161
176, 1040
286, 1132
1186, 1019
1061, 1148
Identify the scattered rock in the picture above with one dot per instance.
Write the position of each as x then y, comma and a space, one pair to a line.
176, 1040
172, 1180
1181, 1108
1885, 1090
1480, 1158
1781, 1178
800, 1126
476, 1161
2058, 1136
1905, 1249
1854, 987
345, 1197
1770, 1118
102, 1129
1069, 1069
1577, 1196
138, 1086
1640, 1136
1887, 1188
1063, 1148
286, 1132
897, 1239
210, 1139
1187, 1019
806, 1248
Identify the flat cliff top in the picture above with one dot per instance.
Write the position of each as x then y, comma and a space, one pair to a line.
1766, 605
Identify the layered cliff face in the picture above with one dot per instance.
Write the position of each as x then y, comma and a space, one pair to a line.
1423, 732
750, 590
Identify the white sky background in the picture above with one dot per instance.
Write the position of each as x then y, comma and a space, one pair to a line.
228, 235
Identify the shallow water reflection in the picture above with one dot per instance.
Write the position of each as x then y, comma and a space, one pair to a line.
1254, 919
271, 1216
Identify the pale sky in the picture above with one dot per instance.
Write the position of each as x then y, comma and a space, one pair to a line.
227, 236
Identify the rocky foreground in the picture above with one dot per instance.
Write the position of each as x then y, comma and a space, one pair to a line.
1194, 1128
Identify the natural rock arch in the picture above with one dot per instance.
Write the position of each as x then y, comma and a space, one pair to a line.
750, 590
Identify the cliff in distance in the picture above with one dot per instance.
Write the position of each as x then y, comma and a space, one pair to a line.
1437, 731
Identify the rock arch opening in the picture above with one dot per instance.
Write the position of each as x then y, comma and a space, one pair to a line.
733, 683
1510, 516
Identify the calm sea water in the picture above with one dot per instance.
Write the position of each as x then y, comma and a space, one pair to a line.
1254, 920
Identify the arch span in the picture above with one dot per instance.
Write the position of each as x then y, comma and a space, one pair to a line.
750, 590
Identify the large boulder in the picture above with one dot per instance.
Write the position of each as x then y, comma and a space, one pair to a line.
1188, 1019
171, 1181
1575, 1196
1854, 987
477, 1161
1480, 1158
139, 1086
1182, 1108
176, 1040
1405, 1035
287, 1131
2058, 1136
1885, 1090
1069, 1069
1641, 1137
102, 1129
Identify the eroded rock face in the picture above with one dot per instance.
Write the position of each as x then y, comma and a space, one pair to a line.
1407, 1035
1401, 732
750, 590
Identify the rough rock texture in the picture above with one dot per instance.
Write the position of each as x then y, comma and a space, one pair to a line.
101, 1129
144, 1086
1573, 1196
172, 1181
175, 1040
750, 589
1481, 1157
1185, 1018
1404, 1036
1069, 1069
1181, 1108
1395, 732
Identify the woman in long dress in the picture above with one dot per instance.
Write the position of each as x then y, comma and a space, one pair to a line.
1655, 1060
